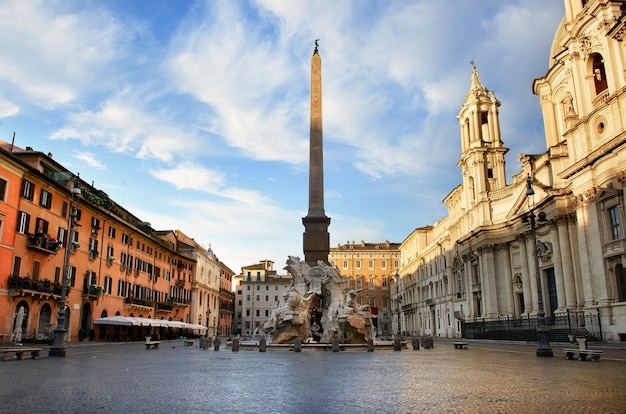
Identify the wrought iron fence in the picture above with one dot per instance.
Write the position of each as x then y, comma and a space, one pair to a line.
561, 328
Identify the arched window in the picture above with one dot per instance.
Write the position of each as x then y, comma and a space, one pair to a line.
599, 74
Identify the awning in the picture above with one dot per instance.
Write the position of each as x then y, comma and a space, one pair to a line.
134, 321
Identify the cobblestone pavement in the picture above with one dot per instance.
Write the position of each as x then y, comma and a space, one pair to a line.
486, 378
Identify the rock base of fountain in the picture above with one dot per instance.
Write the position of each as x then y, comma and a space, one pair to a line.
317, 308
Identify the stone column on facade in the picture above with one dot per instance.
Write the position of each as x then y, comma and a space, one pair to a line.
598, 274
488, 276
584, 249
507, 277
565, 256
467, 281
527, 280
558, 269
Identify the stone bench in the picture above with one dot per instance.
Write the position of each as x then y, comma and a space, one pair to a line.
460, 345
152, 344
582, 354
19, 352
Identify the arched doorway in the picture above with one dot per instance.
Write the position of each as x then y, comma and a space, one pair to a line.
20, 320
102, 329
85, 321
44, 328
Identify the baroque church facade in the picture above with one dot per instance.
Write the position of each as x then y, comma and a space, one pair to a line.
480, 263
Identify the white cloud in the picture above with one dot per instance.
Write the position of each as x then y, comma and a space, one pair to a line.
90, 159
8, 109
55, 55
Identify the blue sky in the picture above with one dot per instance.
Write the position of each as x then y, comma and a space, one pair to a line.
195, 115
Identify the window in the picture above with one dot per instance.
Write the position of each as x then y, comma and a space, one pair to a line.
28, 189
62, 236
41, 226
345, 264
385, 302
371, 264
36, 266
616, 228
599, 74
17, 264
71, 276
620, 274
384, 282
358, 264
23, 222
372, 301
64, 207
124, 238
372, 282
3, 189
45, 199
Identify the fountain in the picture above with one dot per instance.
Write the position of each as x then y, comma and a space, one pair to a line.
317, 308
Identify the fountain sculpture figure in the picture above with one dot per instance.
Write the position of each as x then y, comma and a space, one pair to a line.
317, 308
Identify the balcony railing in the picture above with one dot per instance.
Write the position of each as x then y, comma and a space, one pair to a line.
165, 306
92, 291
613, 248
41, 286
139, 302
43, 243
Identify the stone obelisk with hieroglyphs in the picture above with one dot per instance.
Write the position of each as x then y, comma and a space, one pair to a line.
316, 241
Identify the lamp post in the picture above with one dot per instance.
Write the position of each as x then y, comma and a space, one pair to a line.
398, 300
58, 347
543, 347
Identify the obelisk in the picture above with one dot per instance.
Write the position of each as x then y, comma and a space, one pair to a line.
316, 240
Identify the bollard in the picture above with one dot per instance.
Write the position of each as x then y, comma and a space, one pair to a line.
262, 344
428, 342
370, 345
216, 345
335, 345
297, 345
397, 344
235, 345
416, 343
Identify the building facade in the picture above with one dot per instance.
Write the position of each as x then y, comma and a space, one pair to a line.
259, 290
480, 261
369, 268
116, 263
227, 301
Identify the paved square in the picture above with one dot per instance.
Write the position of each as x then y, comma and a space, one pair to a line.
116, 378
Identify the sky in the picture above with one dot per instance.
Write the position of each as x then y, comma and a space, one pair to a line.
194, 115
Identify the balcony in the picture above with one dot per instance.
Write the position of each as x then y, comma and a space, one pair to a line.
92, 292
407, 307
164, 306
429, 302
144, 304
43, 243
41, 288
613, 248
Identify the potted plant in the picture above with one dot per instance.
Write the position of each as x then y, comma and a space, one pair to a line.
81, 334
92, 334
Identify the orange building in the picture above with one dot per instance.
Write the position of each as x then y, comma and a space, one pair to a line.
116, 263
369, 268
227, 301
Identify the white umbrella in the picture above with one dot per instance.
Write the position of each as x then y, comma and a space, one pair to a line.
116, 320
19, 319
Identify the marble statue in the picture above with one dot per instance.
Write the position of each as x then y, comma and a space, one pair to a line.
316, 308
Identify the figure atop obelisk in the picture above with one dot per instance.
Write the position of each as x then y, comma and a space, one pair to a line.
316, 241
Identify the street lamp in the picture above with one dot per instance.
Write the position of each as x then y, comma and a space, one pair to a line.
58, 347
398, 300
543, 347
